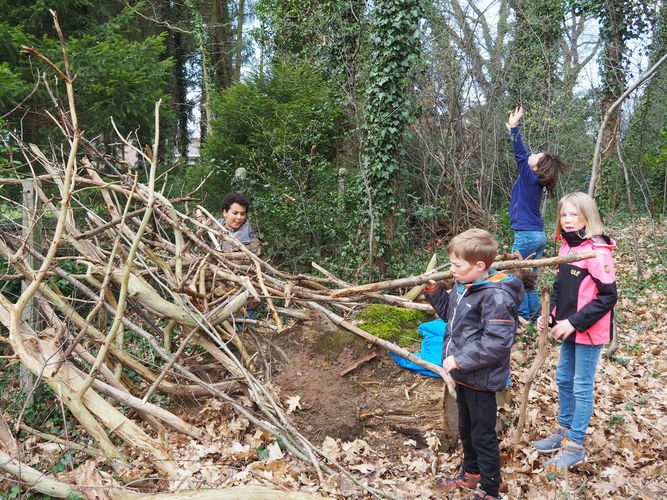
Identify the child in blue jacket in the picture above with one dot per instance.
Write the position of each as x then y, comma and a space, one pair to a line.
538, 172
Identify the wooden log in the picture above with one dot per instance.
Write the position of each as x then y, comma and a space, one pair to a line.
417, 289
355, 364
35, 479
420, 279
250, 491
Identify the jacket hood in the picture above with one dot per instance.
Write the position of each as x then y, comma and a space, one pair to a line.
506, 282
603, 241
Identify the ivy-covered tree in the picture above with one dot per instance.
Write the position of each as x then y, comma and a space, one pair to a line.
620, 21
533, 77
645, 144
394, 56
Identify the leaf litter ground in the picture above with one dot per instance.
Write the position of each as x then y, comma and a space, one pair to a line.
384, 423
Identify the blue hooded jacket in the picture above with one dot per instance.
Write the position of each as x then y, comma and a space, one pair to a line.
527, 191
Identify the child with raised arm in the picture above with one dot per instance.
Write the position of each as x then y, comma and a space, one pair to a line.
481, 318
538, 173
582, 315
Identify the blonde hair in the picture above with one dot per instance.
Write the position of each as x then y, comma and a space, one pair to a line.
586, 209
474, 245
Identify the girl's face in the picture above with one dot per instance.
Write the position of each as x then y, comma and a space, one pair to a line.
534, 159
570, 220
234, 216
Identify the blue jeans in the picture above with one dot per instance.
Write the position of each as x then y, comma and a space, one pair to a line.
575, 377
527, 243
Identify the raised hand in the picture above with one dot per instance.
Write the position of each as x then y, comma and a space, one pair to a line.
514, 118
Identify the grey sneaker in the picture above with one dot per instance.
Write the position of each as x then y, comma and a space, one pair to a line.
552, 442
569, 455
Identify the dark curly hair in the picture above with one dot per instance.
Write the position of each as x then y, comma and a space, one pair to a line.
549, 167
235, 197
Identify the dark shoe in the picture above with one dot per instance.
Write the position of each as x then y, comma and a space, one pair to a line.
481, 494
570, 454
463, 480
552, 442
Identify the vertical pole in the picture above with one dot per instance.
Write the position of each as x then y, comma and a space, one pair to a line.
31, 232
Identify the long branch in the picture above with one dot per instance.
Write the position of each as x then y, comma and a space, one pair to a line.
418, 280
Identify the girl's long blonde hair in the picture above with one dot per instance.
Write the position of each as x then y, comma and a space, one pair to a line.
587, 210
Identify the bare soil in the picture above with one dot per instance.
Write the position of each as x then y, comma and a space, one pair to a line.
378, 398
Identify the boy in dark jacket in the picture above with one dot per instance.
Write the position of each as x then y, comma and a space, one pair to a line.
481, 316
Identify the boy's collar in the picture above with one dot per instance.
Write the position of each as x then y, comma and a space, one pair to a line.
490, 273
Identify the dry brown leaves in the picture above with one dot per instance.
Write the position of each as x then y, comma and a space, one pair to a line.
627, 441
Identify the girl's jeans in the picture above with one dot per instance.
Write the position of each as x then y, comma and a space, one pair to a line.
575, 376
527, 243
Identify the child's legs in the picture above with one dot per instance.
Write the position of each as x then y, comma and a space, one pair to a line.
565, 383
465, 431
586, 362
482, 411
530, 243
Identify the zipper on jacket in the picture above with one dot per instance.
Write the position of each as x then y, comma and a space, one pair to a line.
451, 323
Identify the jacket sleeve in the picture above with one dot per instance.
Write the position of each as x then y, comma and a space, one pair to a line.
601, 270
495, 342
521, 155
439, 299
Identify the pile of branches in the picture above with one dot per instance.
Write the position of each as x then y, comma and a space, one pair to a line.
148, 267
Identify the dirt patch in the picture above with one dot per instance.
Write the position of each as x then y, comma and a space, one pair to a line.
376, 399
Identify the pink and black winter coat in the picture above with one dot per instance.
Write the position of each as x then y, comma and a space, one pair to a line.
585, 291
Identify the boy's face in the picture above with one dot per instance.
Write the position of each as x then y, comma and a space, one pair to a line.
467, 272
235, 216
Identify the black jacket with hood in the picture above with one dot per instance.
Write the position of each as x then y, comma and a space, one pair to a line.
481, 328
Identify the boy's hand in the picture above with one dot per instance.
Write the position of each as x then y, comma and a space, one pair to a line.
514, 118
199, 215
540, 323
562, 329
449, 364
431, 285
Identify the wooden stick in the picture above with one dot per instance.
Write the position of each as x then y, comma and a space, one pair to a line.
260, 279
356, 363
534, 367
168, 366
418, 280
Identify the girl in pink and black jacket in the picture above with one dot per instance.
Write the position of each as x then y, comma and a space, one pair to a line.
582, 315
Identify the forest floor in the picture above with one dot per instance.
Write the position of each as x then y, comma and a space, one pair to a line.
385, 424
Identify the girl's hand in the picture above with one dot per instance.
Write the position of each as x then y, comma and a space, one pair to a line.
514, 118
199, 215
449, 364
540, 323
562, 330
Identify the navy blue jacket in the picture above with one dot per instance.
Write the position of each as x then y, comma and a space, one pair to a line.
527, 191
481, 328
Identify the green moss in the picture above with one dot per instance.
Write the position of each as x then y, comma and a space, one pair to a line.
393, 324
